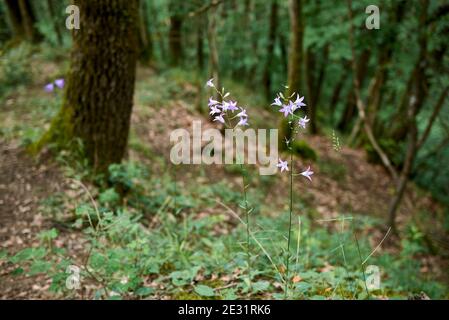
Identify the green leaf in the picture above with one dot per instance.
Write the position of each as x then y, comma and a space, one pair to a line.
40, 267
260, 286
22, 255
205, 291
144, 291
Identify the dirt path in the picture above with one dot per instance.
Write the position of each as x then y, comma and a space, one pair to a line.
24, 182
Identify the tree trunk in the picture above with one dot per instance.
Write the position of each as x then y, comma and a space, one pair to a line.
145, 39
213, 50
28, 21
314, 81
54, 19
351, 107
270, 48
175, 35
295, 62
22, 20
100, 84
15, 18
416, 102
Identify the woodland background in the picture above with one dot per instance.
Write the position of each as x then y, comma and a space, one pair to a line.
85, 176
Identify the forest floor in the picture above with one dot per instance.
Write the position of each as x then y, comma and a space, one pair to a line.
344, 183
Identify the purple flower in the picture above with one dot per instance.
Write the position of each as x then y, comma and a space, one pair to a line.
243, 122
219, 118
214, 110
232, 106
212, 102
60, 83
303, 121
225, 106
286, 109
283, 165
298, 103
242, 113
49, 87
277, 102
307, 173
209, 83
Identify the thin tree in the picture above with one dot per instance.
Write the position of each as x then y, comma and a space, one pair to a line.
295, 62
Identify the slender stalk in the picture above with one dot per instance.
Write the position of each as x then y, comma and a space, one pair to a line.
245, 200
287, 276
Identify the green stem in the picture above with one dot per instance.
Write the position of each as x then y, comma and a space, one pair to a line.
287, 275
245, 199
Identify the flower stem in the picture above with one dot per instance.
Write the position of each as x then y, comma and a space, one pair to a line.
287, 275
245, 200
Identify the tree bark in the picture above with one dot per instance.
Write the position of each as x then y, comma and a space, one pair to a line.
100, 84
270, 48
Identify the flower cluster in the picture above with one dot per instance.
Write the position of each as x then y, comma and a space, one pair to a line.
219, 109
58, 83
288, 107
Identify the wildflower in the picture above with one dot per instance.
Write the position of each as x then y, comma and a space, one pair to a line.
212, 102
277, 102
286, 109
283, 165
60, 83
303, 121
242, 113
219, 118
298, 103
307, 173
232, 106
209, 83
243, 121
49, 87
214, 110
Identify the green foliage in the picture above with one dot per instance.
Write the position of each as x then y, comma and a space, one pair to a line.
15, 69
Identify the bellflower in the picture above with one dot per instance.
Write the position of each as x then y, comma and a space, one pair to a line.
219, 118
308, 173
277, 102
243, 122
60, 83
283, 165
212, 102
232, 106
242, 113
298, 103
303, 121
214, 110
209, 83
286, 109
49, 87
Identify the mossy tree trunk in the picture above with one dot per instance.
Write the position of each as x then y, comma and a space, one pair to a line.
100, 84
